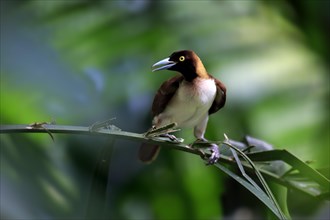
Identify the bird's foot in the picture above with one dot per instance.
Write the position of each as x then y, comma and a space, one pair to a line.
215, 154
172, 138
200, 143
157, 132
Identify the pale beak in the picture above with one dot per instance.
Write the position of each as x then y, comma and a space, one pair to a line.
163, 64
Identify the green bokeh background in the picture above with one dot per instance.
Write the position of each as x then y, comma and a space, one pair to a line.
78, 62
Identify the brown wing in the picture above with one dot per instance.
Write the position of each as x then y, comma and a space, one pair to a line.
165, 94
220, 98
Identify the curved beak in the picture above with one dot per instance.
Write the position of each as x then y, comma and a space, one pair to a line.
163, 64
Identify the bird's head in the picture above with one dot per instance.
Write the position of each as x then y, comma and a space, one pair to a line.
185, 62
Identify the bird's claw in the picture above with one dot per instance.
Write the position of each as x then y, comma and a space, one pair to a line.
199, 143
172, 138
212, 147
200, 140
215, 155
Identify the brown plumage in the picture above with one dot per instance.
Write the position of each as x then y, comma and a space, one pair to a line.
186, 99
220, 98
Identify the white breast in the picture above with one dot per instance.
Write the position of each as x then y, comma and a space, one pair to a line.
189, 105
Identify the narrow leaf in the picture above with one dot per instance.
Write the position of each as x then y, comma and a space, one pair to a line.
261, 195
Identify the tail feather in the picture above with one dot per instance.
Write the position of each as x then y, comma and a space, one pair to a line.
148, 152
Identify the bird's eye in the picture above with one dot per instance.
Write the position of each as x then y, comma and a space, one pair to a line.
181, 59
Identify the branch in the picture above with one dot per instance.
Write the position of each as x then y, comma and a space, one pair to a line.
152, 136
112, 132
226, 157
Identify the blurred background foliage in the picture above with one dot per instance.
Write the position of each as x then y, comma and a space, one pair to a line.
78, 62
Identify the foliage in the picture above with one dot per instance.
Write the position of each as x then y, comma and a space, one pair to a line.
318, 185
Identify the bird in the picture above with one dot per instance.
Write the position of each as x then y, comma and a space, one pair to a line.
186, 99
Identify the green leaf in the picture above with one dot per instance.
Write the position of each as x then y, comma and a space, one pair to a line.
292, 160
261, 195
258, 174
301, 176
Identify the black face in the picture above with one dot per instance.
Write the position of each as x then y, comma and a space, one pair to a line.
185, 63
